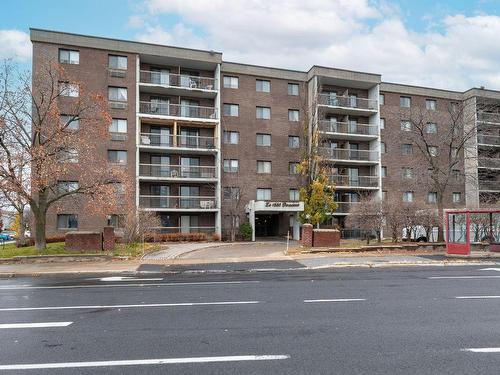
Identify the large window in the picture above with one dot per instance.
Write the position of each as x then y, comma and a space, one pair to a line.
69, 89
405, 101
69, 56
457, 197
381, 99
264, 194
262, 85
117, 94
231, 82
430, 104
293, 194
293, 141
116, 221
67, 186
231, 137
231, 110
68, 156
431, 128
263, 166
293, 89
263, 113
231, 192
405, 125
408, 196
407, 173
118, 125
67, 221
117, 156
117, 62
433, 150
407, 148
293, 168
231, 165
431, 197
263, 139
382, 123
383, 172
70, 122
293, 115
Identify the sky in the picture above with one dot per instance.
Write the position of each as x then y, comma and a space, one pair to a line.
449, 44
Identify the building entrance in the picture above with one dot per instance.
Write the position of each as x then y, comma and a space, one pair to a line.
266, 225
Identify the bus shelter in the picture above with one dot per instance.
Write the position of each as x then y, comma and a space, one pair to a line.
476, 229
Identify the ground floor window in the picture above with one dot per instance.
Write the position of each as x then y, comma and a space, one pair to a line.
67, 221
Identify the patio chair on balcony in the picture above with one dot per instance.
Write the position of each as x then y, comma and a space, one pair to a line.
206, 204
145, 140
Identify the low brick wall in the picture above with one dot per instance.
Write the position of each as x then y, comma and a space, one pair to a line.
84, 241
108, 238
326, 238
307, 235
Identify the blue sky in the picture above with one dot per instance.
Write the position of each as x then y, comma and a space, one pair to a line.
370, 35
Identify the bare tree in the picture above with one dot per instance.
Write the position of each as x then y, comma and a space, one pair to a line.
368, 216
139, 224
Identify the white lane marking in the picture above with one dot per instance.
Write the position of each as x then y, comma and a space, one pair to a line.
137, 362
465, 277
490, 269
334, 300
35, 325
207, 283
130, 306
126, 278
477, 297
482, 350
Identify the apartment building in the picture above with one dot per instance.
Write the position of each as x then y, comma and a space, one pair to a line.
210, 144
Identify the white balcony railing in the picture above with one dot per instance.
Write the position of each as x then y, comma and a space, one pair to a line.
176, 171
489, 162
489, 185
347, 102
348, 154
177, 202
184, 141
488, 139
177, 110
178, 80
328, 126
359, 181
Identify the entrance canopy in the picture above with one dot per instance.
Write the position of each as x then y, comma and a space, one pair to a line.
466, 227
268, 207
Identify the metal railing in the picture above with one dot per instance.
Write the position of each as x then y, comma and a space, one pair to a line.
177, 110
488, 139
178, 80
347, 128
488, 117
344, 207
359, 181
177, 202
348, 154
189, 229
489, 162
347, 102
176, 171
489, 185
185, 141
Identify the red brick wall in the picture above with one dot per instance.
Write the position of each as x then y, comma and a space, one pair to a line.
326, 238
83, 241
307, 235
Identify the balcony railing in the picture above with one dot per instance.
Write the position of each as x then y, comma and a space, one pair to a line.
488, 139
176, 171
347, 128
489, 162
347, 154
489, 117
347, 102
178, 80
359, 181
177, 202
489, 185
184, 229
185, 141
178, 110
344, 207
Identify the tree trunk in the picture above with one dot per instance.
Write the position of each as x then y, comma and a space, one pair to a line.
21, 238
40, 242
440, 218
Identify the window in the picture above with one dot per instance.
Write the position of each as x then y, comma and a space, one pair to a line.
454, 107
405, 101
263, 85
231, 110
68, 156
65, 221
382, 147
433, 150
231, 82
231, 165
430, 104
407, 149
382, 123
456, 174
116, 221
293, 168
231, 192
263, 139
293, 194
431, 128
293, 89
263, 194
293, 115
117, 94
117, 62
263, 113
293, 141
67, 186
231, 137
454, 152
405, 125
407, 173
408, 196
263, 166
119, 188
457, 197
117, 156
118, 125
69, 89
383, 171
68, 56
381, 99
431, 197
70, 122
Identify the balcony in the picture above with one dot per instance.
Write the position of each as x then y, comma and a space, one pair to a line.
348, 104
350, 182
488, 140
489, 185
343, 208
490, 163
346, 130
348, 156
192, 143
488, 118
187, 112
177, 203
177, 172
178, 84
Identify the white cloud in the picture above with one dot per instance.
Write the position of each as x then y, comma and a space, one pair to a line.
14, 44
352, 34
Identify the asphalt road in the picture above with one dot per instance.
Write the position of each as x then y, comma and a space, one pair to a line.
341, 321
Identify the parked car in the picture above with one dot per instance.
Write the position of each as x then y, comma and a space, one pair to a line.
5, 237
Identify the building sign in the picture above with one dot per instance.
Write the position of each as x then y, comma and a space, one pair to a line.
275, 206
282, 204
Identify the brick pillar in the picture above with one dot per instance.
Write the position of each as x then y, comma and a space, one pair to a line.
108, 238
307, 235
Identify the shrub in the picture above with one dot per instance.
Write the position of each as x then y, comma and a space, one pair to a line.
246, 231
53, 239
